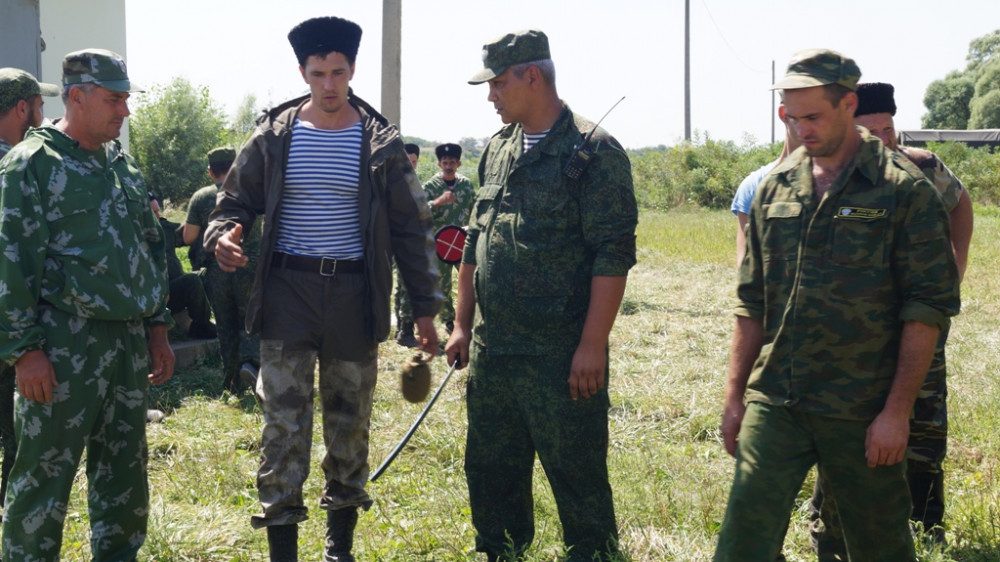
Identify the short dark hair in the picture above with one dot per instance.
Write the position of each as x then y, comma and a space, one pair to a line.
219, 168
834, 93
412, 149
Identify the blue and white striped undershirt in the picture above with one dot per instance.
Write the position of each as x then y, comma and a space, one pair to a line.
532, 140
319, 208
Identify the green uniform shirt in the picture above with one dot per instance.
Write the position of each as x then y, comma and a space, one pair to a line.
4, 148
456, 213
833, 280
948, 186
78, 232
538, 238
200, 208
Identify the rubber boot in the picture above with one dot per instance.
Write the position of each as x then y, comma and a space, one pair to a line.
283, 543
927, 491
340, 525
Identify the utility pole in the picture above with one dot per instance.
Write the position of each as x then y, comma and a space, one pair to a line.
687, 70
392, 32
772, 102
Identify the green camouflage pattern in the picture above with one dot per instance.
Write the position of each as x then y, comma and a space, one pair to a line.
401, 302
570, 437
200, 207
938, 174
833, 280
229, 294
819, 67
538, 238
527, 45
97, 66
456, 213
80, 234
17, 85
777, 446
4, 148
82, 274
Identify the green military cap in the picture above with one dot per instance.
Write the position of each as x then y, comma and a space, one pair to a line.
17, 85
221, 155
97, 66
514, 48
819, 67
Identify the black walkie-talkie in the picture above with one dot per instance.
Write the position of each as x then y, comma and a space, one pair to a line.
582, 153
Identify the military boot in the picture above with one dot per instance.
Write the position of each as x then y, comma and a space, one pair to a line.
340, 525
283, 543
405, 336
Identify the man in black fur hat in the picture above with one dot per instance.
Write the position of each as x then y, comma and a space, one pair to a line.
340, 200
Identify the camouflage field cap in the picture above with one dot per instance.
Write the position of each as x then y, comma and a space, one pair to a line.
819, 67
514, 48
17, 85
97, 66
221, 155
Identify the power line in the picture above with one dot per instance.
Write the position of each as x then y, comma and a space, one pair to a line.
726, 41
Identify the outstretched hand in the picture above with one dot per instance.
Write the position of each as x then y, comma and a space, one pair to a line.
228, 252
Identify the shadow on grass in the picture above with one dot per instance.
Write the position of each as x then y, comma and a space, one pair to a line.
203, 378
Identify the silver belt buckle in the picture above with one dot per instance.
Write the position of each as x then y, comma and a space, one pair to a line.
322, 266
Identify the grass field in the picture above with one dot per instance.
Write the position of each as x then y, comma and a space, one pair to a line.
669, 471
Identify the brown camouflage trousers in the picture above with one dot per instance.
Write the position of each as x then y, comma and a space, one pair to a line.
777, 447
925, 453
99, 406
520, 405
307, 318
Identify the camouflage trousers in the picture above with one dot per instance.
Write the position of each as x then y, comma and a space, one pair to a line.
925, 453
446, 270
401, 301
777, 447
7, 438
99, 405
520, 405
230, 293
307, 318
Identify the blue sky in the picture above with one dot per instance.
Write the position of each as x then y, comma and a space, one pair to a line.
603, 50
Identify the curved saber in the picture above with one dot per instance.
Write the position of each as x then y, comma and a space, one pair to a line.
406, 438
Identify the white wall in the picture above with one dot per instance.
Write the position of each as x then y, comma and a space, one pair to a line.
71, 25
19, 39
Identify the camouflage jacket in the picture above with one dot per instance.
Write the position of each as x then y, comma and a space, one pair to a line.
948, 186
395, 221
456, 213
200, 207
833, 280
4, 148
538, 238
79, 233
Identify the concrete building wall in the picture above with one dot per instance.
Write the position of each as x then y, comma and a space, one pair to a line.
20, 42
71, 25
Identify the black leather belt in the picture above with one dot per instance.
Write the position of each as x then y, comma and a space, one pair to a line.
327, 267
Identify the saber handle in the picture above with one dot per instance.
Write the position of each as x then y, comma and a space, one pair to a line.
413, 428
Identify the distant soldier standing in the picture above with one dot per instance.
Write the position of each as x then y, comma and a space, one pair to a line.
450, 196
401, 303
545, 262
20, 109
85, 278
228, 292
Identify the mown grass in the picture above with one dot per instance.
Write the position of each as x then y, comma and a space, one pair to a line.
669, 471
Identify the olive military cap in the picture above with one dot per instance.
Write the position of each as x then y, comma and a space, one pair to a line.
819, 67
97, 66
17, 85
221, 155
514, 48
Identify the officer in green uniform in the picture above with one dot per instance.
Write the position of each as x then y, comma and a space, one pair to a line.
450, 196
545, 263
85, 321
20, 109
848, 280
229, 293
928, 441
